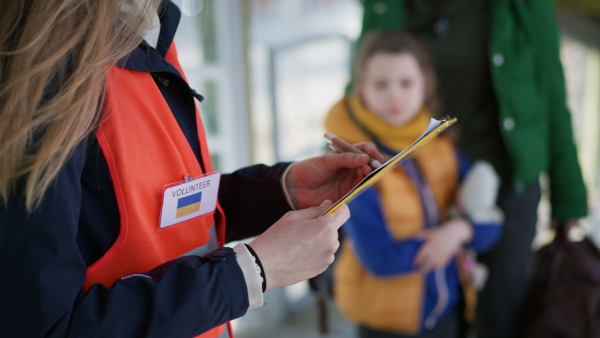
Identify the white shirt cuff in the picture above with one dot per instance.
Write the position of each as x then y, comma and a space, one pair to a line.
248, 266
285, 192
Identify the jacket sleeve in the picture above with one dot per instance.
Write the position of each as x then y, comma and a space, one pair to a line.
42, 272
567, 190
485, 236
477, 194
252, 199
374, 245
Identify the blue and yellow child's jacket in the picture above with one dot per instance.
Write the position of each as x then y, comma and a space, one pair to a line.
376, 282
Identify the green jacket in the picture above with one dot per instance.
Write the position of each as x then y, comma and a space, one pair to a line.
529, 84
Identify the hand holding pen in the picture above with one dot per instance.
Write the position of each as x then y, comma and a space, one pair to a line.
329, 176
341, 146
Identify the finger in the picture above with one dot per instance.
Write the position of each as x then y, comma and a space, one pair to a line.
432, 264
428, 265
444, 261
335, 161
313, 212
340, 215
371, 149
441, 263
365, 170
421, 257
335, 149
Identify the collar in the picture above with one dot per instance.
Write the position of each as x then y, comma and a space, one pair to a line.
147, 59
169, 16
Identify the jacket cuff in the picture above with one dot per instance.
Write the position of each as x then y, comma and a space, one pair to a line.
285, 191
253, 284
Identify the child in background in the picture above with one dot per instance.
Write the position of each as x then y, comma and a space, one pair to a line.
399, 272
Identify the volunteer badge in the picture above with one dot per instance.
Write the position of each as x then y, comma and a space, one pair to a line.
191, 198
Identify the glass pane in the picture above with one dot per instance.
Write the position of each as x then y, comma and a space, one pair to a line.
208, 31
216, 161
209, 108
309, 79
299, 54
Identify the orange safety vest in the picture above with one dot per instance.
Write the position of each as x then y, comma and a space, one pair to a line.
145, 149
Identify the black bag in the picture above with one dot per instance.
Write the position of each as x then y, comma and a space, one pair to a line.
563, 298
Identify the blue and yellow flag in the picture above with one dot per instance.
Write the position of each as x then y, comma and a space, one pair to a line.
188, 204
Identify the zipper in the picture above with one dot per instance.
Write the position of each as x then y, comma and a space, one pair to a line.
195, 94
160, 79
432, 217
166, 82
442, 301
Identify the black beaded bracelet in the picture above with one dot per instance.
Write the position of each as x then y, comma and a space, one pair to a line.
262, 270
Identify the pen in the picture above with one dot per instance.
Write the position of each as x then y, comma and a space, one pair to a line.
342, 146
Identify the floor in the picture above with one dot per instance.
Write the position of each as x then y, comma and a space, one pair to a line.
303, 322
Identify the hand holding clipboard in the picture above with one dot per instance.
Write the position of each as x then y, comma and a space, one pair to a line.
435, 127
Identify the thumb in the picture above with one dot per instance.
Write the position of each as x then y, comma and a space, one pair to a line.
340, 215
315, 212
321, 208
325, 204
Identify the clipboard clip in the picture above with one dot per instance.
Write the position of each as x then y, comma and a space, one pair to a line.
445, 120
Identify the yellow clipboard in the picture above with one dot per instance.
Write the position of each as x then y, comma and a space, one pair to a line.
435, 127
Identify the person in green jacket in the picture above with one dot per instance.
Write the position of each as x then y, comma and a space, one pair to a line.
500, 74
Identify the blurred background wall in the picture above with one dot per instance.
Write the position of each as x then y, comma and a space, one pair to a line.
271, 69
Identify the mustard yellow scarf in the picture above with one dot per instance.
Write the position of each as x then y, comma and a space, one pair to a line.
395, 137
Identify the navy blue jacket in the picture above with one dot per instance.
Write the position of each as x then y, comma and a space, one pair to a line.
45, 254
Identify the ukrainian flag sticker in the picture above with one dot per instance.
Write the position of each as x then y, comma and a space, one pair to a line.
194, 197
188, 204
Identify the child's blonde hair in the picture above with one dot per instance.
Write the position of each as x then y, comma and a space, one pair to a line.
397, 42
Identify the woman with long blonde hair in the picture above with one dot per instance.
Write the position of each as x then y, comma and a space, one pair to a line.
54, 55
112, 219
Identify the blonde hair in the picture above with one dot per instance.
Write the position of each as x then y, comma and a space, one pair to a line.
397, 42
54, 55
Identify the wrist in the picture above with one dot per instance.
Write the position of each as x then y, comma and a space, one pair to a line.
463, 230
259, 268
252, 277
289, 190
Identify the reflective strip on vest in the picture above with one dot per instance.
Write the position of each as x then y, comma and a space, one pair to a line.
206, 248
